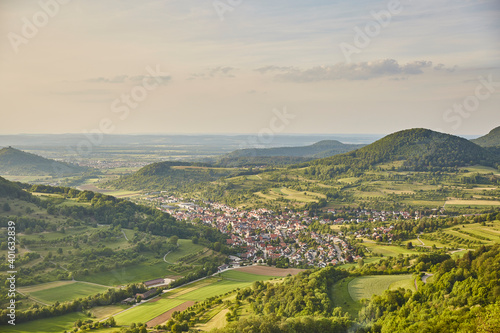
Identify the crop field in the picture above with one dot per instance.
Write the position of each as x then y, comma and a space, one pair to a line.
480, 169
62, 292
130, 274
388, 250
290, 194
465, 236
367, 286
466, 203
185, 248
48, 325
197, 291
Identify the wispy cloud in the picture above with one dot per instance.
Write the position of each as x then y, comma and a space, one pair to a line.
352, 71
129, 79
220, 71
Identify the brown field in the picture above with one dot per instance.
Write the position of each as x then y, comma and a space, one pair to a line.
266, 270
167, 315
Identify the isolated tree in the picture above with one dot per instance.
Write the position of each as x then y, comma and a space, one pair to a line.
6, 207
361, 263
173, 240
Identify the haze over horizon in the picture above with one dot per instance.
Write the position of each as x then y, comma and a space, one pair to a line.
220, 68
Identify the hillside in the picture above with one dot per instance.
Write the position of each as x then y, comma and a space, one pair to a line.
285, 155
417, 149
492, 139
170, 175
18, 162
323, 148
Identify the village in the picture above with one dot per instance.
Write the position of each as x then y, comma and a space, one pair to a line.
283, 239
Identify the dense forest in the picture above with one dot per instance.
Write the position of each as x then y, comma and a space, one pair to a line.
420, 149
492, 139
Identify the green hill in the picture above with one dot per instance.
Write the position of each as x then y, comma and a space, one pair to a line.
170, 175
417, 149
492, 139
20, 163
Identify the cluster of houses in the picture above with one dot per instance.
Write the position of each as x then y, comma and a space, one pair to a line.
262, 234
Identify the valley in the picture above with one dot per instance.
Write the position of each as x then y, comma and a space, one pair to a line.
200, 245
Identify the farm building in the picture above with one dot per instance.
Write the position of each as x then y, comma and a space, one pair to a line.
147, 294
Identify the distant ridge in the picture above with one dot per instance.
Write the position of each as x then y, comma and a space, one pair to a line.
286, 155
18, 162
419, 149
492, 139
319, 149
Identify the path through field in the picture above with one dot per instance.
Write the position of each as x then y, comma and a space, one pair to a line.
167, 315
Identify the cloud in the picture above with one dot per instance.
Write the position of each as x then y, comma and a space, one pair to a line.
266, 69
440, 67
344, 71
138, 79
220, 71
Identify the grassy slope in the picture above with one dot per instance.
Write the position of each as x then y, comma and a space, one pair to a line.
67, 292
186, 247
367, 286
48, 325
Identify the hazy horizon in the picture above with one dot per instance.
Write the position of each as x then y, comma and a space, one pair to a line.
244, 67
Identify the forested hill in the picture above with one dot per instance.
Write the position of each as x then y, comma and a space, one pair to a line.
18, 162
492, 139
285, 155
417, 149
170, 176
319, 149
96, 208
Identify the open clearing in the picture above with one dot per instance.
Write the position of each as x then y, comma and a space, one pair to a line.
62, 292
341, 297
367, 286
185, 248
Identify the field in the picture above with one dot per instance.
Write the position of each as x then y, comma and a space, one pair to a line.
48, 325
342, 298
197, 291
465, 236
185, 248
388, 250
367, 286
349, 291
130, 274
472, 203
289, 194
62, 291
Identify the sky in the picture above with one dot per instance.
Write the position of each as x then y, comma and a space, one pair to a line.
249, 66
